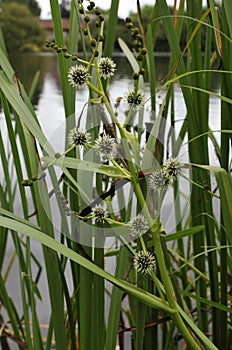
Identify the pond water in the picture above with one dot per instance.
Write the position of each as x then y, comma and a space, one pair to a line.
49, 108
48, 99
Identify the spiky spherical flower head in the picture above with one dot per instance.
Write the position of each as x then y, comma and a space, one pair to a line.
158, 180
77, 76
139, 225
78, 137
173, 167
135, 98
100, 213
106, 146
144, 262
107, 67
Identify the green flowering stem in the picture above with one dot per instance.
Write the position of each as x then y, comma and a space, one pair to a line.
123, 136
157, 284
117, 223
155, 232
124, 171
156, 238
87, 63
115, 120
128, 118
61, 155
101, 93
200, 186
144, 248
96, 90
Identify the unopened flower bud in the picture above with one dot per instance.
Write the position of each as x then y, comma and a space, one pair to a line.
86, 19
139, 37
129, 25
139, 57
74, 57
143, 51
93, 43
135, 76
97, 12
27, 182
57, 155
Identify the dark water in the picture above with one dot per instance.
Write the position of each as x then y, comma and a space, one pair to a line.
48, 99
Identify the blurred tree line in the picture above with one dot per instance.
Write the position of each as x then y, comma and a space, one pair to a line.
160, 44
19, 24
31, 4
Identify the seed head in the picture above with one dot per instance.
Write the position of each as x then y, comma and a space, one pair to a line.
173, 167
77, 76
144, 262
107, 67
100, 212
106, 146
139, 225
135, 98
78, 137
158, 180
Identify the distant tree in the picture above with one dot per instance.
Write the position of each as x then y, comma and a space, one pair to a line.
31, 4
20, 28
65, 8
34, 7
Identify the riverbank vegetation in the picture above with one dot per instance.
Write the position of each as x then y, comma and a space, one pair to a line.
133, 188
20, 27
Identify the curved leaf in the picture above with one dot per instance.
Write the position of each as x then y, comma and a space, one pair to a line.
23, 111
83, 165
50, 242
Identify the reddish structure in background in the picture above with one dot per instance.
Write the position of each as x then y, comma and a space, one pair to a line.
48, 26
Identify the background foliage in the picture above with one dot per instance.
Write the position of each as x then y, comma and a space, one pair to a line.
20, 27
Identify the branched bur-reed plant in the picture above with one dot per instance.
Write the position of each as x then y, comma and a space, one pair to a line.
122, 190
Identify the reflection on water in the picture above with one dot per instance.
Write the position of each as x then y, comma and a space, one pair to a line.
48, 99
46, 63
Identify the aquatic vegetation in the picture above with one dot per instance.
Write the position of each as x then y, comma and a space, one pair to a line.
110, 194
